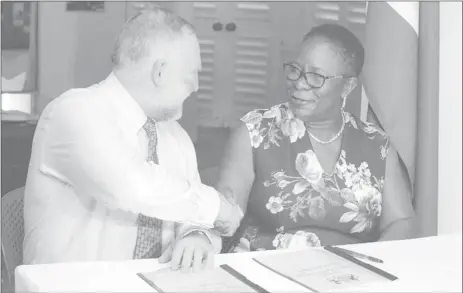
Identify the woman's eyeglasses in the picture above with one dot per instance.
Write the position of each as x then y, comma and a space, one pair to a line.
314, 80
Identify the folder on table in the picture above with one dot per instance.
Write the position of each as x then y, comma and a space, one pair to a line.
220, 279
323, 270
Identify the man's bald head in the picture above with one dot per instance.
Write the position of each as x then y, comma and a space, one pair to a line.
147, 34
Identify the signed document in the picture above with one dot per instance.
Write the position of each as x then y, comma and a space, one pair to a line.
319, 270
221, 279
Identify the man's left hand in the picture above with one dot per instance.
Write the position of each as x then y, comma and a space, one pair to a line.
194, 251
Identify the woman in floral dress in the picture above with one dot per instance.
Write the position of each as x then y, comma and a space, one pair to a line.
307, 172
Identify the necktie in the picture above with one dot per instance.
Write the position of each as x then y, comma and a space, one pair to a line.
149, 233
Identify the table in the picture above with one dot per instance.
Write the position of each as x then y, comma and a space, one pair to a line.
422, 265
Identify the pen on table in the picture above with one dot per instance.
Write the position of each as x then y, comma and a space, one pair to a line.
360, 255
357, 261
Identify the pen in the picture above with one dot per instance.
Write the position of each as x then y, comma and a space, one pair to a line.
360, 255
367, 266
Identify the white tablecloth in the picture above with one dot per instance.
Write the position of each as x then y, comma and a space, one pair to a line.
428, 264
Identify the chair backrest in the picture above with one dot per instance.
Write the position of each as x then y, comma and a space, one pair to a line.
13, 229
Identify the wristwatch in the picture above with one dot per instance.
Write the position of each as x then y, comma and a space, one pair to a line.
198, 231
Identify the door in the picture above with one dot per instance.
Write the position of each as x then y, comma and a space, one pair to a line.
252, 54
205, 106
239, 55
207, 17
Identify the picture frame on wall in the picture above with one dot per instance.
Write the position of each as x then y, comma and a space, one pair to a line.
88, 6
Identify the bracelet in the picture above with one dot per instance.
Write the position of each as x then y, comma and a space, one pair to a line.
199, 231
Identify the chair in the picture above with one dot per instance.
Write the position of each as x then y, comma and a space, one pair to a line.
12, 231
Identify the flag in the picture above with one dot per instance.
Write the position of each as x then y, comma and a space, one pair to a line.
390, 73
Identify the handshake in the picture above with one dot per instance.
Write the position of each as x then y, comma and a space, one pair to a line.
230, 216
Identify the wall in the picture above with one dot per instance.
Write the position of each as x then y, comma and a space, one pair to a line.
74, 47
75, 51
450, 119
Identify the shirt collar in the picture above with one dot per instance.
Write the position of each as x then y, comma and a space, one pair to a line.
129, 110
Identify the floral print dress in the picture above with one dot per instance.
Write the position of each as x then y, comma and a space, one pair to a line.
293, 203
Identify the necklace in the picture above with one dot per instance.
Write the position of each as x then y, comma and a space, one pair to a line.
334, 137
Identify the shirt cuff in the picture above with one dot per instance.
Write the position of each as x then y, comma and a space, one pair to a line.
209, 206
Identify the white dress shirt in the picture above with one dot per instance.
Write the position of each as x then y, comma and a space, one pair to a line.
89, 178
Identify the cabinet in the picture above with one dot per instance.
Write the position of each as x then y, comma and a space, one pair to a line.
242, 67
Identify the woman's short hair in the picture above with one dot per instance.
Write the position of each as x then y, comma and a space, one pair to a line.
350, 46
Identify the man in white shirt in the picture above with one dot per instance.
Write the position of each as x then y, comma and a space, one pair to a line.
113, 176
